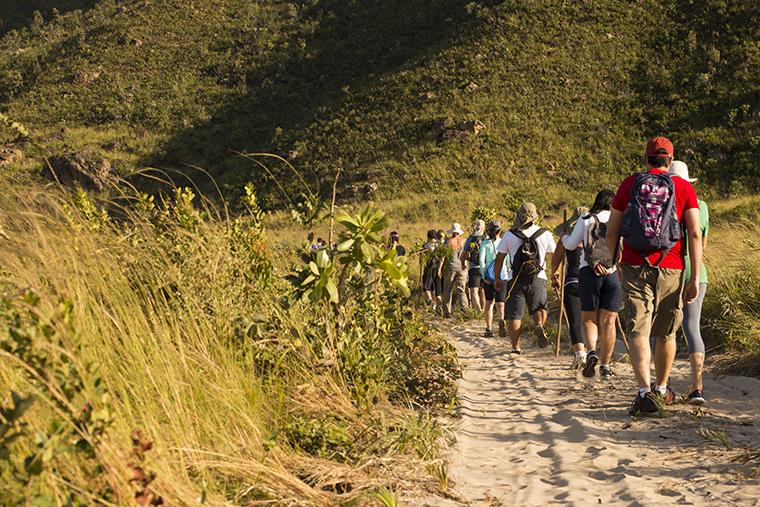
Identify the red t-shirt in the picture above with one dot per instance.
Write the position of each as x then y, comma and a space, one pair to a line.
686, 198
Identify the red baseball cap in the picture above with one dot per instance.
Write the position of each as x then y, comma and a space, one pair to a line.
659, 143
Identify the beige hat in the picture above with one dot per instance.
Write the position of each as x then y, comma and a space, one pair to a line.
479, 227
456, 228
526, 215
680, 169
568, 225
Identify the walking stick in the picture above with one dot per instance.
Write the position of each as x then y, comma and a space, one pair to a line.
561, 313
561, 294
622, 333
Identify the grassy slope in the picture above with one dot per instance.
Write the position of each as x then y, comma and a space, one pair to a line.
564, 88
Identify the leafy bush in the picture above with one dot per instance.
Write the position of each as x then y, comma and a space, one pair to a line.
175, 319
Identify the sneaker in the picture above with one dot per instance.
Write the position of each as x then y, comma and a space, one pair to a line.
589, 369
502, 328
515, 351
578, 363
696, 397
668, 398
488, 334
648, 405
543, 341
606, 373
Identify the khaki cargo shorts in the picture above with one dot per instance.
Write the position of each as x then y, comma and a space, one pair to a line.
652, 299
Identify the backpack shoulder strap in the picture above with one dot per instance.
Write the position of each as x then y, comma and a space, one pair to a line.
520, 234
538, 233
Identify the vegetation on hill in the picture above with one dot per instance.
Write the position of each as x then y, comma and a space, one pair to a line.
563, 88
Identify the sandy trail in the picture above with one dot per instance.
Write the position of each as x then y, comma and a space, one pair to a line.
532, 432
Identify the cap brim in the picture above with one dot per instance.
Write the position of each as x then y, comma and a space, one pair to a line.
691, 180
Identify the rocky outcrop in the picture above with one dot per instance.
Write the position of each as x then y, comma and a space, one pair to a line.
87, 169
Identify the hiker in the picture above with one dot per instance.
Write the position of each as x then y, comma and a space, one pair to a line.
453, 275
527, 245
692, 312
492, 296
571, 299
599, 285
470, 259
429, 268
393, 242
440, 240
648, 212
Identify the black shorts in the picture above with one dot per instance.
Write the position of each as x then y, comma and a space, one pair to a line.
474, 278
428, 279
491, 293
438, 285
599, 291
531, 294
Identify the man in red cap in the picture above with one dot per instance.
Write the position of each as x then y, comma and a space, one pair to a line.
648, 212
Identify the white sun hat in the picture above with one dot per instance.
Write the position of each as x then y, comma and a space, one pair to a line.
680, 169
456, 228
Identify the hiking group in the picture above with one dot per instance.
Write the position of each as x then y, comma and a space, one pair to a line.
636, 251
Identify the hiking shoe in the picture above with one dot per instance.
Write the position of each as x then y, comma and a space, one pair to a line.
589, 369
488, 334
668, 398
502, 328
543, 341
515, 351
648, 405
606, 372
578, 363
696, 397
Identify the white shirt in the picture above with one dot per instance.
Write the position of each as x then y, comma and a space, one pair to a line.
575, 239
511, 244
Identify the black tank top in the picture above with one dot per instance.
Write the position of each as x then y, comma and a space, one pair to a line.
573, 262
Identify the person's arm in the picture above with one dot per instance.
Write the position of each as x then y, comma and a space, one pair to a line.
482, 259
613, 234
572, 240
694, 236
465, 252
557, 258
498, 264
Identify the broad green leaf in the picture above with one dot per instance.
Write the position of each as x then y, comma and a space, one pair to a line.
332, 289
346, 245
313, 267
323, 260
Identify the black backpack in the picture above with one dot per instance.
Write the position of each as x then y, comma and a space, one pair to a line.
595, 248
527, 263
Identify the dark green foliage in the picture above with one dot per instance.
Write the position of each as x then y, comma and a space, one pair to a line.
563, 88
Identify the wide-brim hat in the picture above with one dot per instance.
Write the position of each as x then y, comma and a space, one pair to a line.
526, 215
680, 169
456, 228
568, 225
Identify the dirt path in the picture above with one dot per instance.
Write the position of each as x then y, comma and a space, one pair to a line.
534, 433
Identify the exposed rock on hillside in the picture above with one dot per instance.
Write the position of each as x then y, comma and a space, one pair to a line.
91, 171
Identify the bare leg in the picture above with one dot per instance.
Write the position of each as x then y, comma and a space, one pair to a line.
500, 311
641, 355
489, 315
475, 298
663, 360
590, 328
697, 361
514, 332
579, 347
607, 334
540, 317
482, 294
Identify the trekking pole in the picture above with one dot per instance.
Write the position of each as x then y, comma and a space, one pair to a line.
622, 333
561, 293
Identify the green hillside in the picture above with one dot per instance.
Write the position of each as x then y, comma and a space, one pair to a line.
564, 88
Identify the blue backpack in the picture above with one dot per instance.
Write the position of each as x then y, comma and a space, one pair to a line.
650, 223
